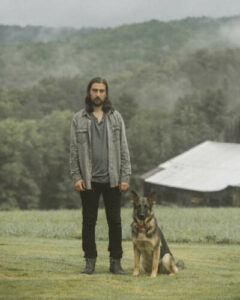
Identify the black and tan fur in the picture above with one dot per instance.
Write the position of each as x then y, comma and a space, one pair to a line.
148, 240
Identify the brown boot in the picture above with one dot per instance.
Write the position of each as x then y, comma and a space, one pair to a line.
90, 266
115, 266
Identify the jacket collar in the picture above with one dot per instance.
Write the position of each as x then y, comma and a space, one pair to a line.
85, 113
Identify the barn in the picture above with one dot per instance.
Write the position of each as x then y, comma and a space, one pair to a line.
207, 174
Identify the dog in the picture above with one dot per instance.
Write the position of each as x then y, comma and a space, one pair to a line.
148, 240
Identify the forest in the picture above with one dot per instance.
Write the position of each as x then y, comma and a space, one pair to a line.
175, 83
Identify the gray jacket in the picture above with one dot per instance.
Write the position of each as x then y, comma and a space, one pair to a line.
80, 149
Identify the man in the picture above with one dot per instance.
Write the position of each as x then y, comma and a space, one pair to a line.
100, 165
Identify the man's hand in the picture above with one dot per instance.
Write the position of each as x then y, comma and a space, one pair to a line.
123, 186
80, 185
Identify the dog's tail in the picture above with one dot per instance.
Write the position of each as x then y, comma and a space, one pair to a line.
180, 264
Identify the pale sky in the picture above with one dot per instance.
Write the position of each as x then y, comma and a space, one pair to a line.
108, 13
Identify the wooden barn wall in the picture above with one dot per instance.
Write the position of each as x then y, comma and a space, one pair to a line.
168, 196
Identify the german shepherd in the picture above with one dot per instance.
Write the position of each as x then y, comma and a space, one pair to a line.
148, 240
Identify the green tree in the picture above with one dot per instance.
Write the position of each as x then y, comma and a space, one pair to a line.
149, 142
128, 107
57, 190
42, 99
198, 117
20, 165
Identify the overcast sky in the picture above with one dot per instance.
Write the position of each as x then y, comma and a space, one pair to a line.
108, 13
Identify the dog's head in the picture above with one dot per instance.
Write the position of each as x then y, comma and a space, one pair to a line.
142, 205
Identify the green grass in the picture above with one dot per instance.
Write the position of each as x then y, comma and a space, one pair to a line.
205, 225
50, 269
41, 256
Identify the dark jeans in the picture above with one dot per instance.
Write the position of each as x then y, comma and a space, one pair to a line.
112, 202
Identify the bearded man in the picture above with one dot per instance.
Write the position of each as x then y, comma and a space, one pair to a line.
100, 165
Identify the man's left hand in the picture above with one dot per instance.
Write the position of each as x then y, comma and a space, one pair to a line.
123, 186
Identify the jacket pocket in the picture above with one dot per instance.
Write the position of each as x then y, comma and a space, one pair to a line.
82, 136
116, 133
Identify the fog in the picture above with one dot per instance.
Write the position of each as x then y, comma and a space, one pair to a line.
108, 13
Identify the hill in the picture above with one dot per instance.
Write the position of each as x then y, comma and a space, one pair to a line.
29, 54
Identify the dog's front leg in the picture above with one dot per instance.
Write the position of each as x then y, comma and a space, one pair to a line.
156, 256
136, 260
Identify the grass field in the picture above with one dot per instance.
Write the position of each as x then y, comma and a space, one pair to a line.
204, 225
41, 257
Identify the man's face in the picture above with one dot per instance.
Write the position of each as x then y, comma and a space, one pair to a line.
98, 93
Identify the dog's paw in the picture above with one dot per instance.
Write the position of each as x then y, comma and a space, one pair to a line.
153, 275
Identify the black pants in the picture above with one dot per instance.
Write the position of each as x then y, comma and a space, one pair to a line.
112, 202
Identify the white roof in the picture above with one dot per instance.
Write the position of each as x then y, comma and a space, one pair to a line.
208, 167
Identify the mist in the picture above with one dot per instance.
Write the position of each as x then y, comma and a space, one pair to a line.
108, 13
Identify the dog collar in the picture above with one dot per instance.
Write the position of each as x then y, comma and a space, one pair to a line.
139, 225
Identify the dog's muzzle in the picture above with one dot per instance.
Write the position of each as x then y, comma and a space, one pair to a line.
141, 217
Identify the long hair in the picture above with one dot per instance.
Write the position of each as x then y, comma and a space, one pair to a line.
107, 105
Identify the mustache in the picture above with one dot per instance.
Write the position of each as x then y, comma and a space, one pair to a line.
98, 98
98, 101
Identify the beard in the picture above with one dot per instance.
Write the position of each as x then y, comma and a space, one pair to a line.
97, 101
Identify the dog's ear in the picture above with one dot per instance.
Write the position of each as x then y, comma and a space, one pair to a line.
152, 198
134, 197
